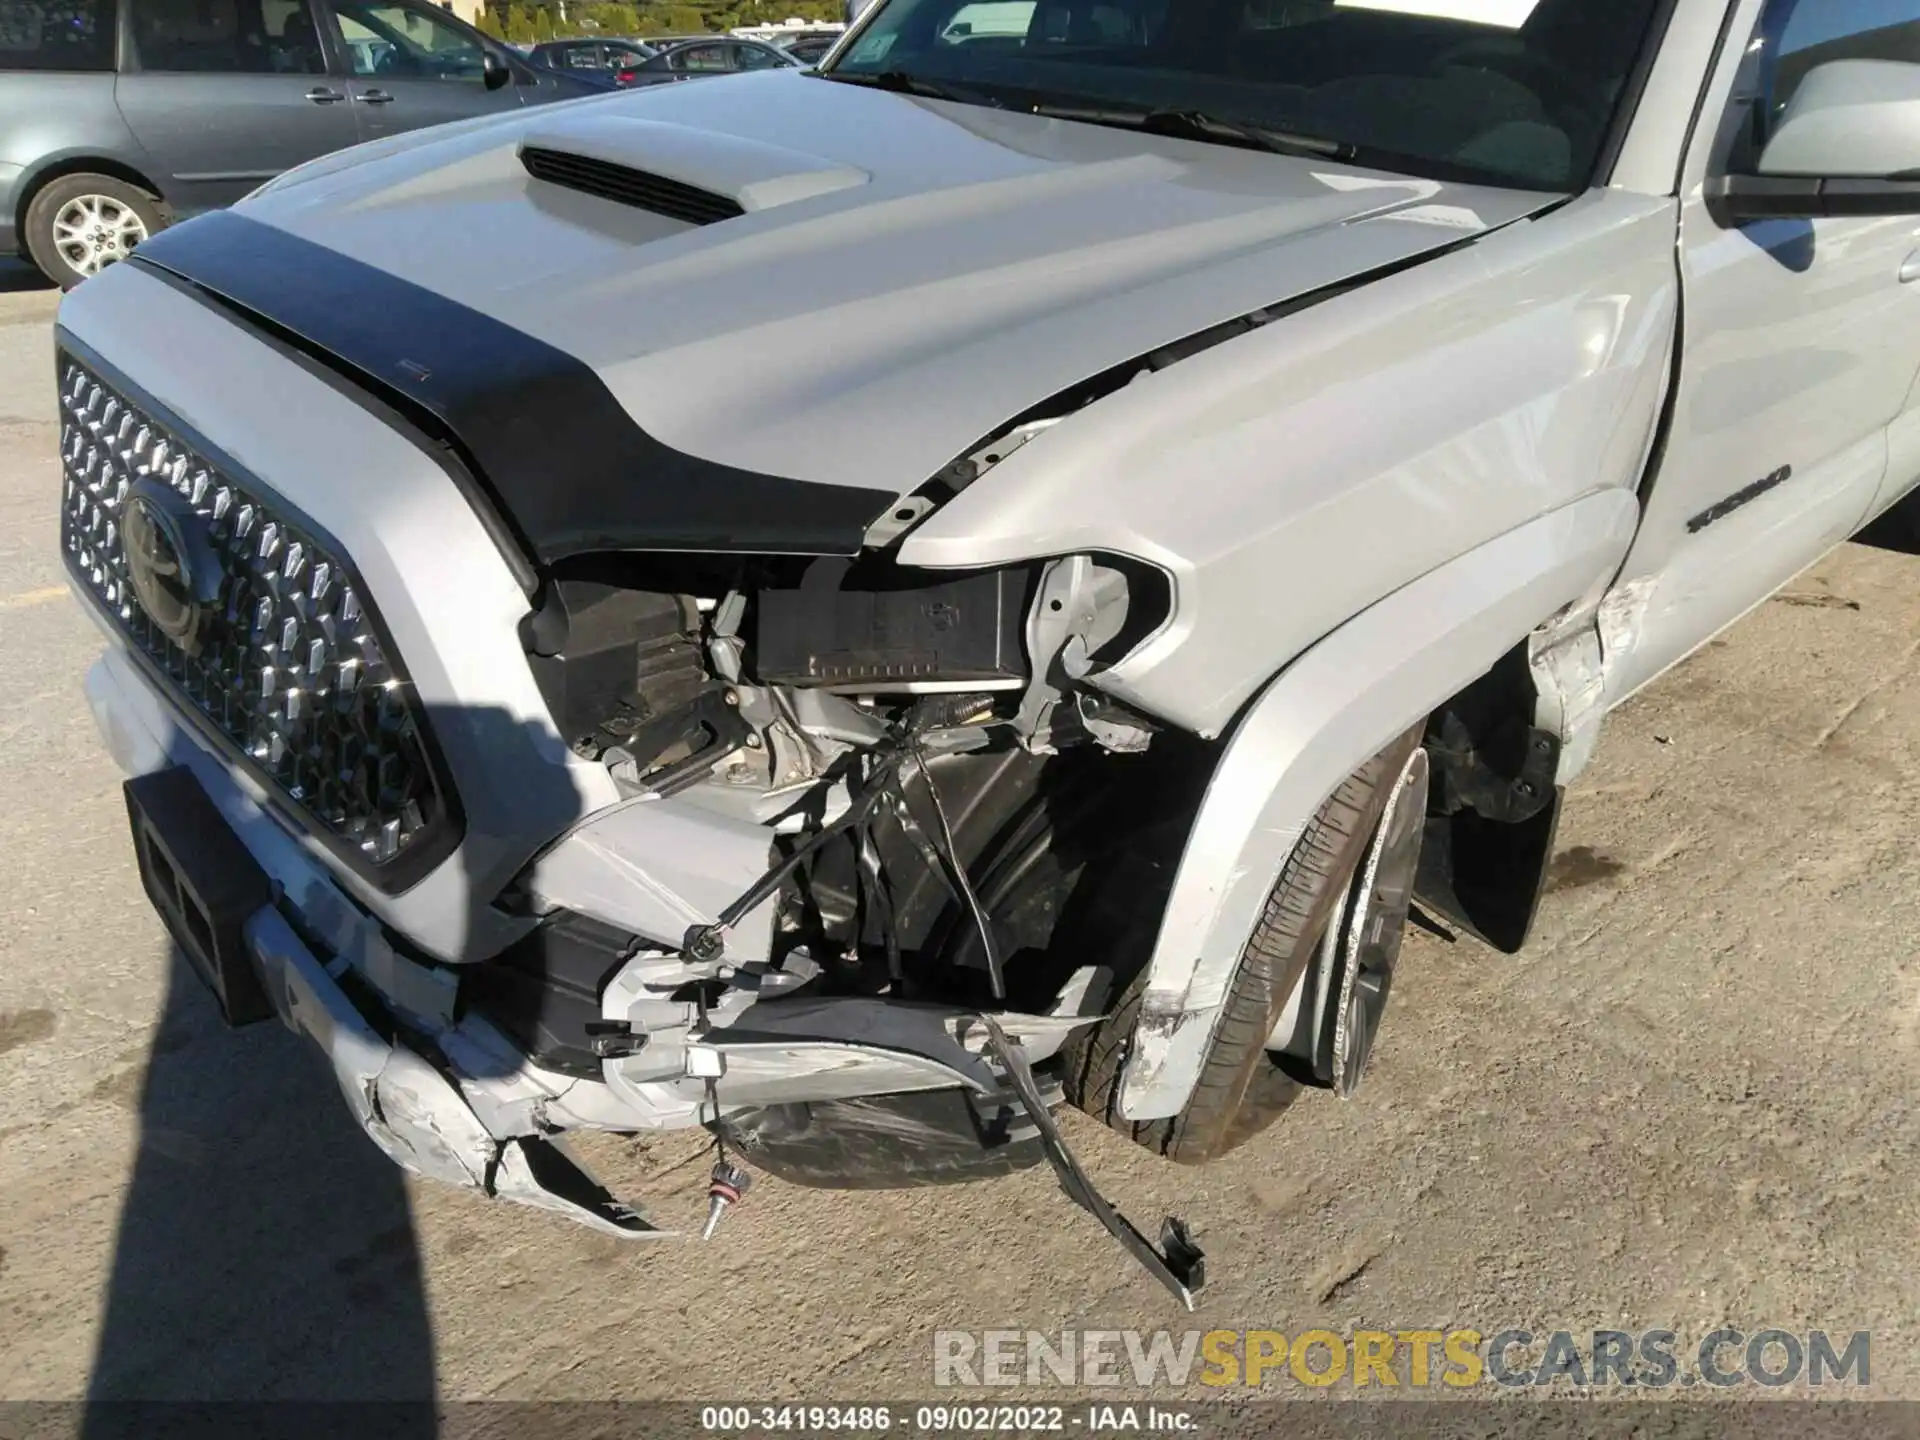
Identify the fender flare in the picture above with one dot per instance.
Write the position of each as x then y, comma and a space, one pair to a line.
1320, 720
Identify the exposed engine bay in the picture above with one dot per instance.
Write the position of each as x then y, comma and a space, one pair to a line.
958, 867
884, 724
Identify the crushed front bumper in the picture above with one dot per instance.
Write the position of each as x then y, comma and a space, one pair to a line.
442, 1090
477, 1124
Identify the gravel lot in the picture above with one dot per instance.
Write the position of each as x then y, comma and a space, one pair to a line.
1693, 1100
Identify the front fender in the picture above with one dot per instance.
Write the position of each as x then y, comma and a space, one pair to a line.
1326, 714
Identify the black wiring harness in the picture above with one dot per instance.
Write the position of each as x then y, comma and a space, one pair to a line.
877, 789
1176, 1262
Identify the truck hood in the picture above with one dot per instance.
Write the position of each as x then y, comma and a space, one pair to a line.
896, 278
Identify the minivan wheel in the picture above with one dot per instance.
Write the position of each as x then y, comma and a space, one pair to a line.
80, 224
1242, 1087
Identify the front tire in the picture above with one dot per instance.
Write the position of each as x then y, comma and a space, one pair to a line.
1241, 1089
78, 225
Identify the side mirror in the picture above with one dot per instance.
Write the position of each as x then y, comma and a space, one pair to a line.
1849, 144
494, 70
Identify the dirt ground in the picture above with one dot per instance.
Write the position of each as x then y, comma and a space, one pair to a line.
1692, 1101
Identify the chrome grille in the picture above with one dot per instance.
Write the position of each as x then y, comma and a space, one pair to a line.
287, 666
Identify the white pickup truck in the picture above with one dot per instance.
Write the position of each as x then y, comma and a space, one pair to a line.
852, 608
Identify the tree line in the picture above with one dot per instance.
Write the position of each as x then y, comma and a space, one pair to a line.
522, 24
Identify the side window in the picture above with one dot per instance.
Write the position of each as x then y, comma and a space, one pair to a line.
581, 57
293, 38
56, 34
701, 59
752, 57
1002, 19
1800, 34
233, 37
406, 42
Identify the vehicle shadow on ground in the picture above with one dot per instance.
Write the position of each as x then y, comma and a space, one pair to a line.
266, 1250
1891, 532
17, 277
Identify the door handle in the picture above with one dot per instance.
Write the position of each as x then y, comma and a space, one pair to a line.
1910, 271
320, 95
374, 97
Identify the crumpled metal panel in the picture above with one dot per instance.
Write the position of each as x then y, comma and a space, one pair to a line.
417, 1116
424, 1126
1339, 704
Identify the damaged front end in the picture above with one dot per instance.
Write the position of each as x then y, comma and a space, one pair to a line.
882, 849
832, 857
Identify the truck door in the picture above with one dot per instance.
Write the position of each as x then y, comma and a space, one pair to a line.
1800, 349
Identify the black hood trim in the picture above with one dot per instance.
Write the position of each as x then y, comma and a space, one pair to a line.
569, 468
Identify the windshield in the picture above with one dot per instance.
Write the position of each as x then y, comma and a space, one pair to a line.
1516, 92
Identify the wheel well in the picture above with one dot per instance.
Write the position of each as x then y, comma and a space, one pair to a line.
1494, 806
78, 165
1069, 853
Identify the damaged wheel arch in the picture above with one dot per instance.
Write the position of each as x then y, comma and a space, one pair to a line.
1386, 670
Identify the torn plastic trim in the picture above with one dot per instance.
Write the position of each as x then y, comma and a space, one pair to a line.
892, 1142
1568, 666
1178, 1263
659, 867
740, 1050
414, 1113
423, 1120
546, 1175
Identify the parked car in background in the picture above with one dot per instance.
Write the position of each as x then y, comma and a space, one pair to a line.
607, 61
809, 49
118, 117
718, 55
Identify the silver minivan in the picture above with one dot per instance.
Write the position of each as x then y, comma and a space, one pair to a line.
118, 117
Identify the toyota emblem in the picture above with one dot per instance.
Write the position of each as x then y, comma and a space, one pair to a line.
171, 565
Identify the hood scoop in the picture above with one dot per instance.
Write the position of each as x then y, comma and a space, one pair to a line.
695, 176
626, 186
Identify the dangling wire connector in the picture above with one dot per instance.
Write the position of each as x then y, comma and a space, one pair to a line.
724, 1190
728, 1181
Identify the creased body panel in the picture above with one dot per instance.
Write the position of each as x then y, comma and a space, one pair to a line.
1289, 478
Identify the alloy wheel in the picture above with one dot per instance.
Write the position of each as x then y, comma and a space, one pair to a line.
91, 232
